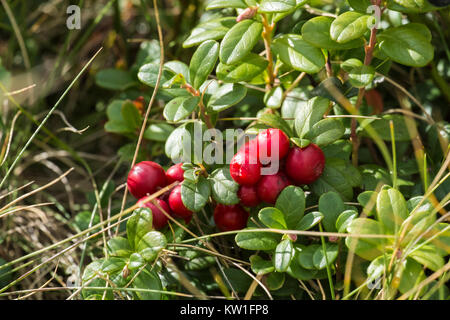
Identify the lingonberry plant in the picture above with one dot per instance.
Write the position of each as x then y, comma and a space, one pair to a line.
298, 149
307, 196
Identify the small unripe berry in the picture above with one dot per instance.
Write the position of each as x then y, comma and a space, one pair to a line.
305, 165
175, 173
145, 178
270, 186
159, 218
248, 196
228, 218
177, 205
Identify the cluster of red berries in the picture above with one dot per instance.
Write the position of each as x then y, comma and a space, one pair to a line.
296, 166
147, 177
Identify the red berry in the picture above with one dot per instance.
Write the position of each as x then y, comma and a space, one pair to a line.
228, 218
248, 196
175, 173
270, 186
272, 138
145, 177
305, 165
245, 168
177, 205
159, 218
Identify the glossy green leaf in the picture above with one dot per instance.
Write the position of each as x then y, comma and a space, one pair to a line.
274, 97
320, 258
119, 246
382, 127
223, 187
428, 257
195, 195
305, 256
226, 96
151, 244
148, 280
284, 252
344, 220
310, 114
219, 4
260, 266
291, 202
272, 218
350, 26
325, 132
275, 121
298, 54
158, 132
365, 247
391, 210
131, 115
239, 41
181, 107
203, 62
185, 143
309, 220
275, 280
257, 240
210, 30
331, 206
138, 225
406, 46
271, 6
317, 32
136, 261
113, 264
411, 275
244, 70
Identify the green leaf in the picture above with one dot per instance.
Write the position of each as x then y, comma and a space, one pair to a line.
200, 263
368, 199
130, 115
151, 244
195, 194
310, 114
317, 32
331, 206
391, 210
136, 261
219, 4
305, 256
428, 257
245, 70
360, 5
382, 127
257, 240
298, 54
320, 258
349, 26
271, 6
359, 74
335, 179
325, 132
148, 74
284, 252
442, 241
406, 46
181, 107
223, 187
158, 132
366, 248
185, 143
275, 280
114, 79
203, 62
148, 280
298, 272
274, 97
260, 266
309, 220
118, 127
272, 218
411, 275
344, 220
119, 246
275, 121
92, 270
226, 96
239, 41
291, 202
210, 30
340, 149
113, 264
138, 225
